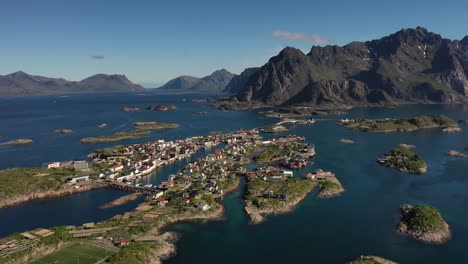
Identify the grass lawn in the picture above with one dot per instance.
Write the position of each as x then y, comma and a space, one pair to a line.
81, 253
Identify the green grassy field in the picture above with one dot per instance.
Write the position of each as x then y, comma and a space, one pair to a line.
81, 253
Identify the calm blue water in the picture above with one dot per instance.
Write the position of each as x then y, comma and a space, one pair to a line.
360, 222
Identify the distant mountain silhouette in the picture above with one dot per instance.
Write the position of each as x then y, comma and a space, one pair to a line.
23, 84
215, 82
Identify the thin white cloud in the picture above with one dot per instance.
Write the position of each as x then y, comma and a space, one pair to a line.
97, 57
311, 38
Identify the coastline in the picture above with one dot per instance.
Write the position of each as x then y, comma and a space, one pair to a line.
169, 249
49, 194
258, 215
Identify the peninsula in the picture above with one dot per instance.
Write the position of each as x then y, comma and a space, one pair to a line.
142, 128
192, 193
399, 125
403, 159
423, 223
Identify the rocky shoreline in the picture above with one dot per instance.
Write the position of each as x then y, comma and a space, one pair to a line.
331, 192
438, 234
346, 141
371, 259
168, 248
257, 215
63, 191
458, 154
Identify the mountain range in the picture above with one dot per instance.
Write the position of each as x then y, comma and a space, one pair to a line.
215, 82
409, 66
23, 84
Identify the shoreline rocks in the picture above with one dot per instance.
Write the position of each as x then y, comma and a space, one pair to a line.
452, 129
458, 154
406, 146
162, 107
346, 141
63, 131
335, 189
129, 109
258, 215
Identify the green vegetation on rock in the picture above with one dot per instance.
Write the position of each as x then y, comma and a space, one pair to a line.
24, 181
135, 252
403, 159
400, 125
142, 129
423, 218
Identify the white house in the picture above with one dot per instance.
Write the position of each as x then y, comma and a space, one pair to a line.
287, 173
203, 206
53, 165
79, 179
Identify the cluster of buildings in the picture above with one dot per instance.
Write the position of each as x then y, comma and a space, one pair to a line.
134, 161
319, 175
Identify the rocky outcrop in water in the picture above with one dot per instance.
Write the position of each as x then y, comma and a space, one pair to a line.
423, 223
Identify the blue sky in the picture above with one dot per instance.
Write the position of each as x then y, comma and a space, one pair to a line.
154, 41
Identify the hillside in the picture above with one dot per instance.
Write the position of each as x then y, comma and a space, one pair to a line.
215, 82
409, 66
23, 84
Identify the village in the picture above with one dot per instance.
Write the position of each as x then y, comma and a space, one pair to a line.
191, 193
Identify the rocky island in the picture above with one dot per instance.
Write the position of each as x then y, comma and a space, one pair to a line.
161, 107
423, 223
63, 131
299, 111
273, 129
142, 128
399, 125
272, 191
21, 141
455, 153
129, 109
403, 159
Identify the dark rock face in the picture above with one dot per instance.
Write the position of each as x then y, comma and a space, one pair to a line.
22, 84
216, 82
411, 65
238, 82
463, 43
